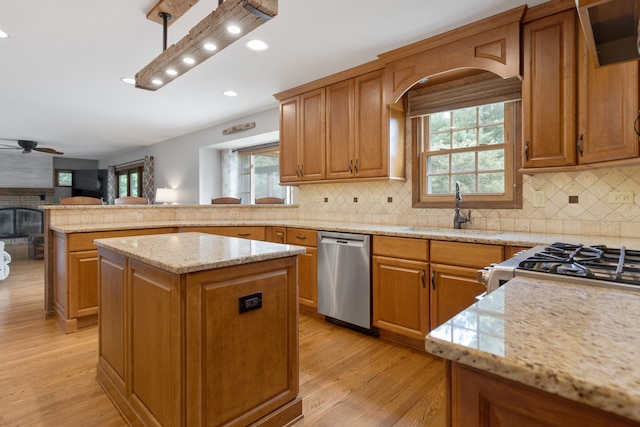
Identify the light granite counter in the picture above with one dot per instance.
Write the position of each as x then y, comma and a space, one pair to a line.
509, 238
189, 252
577, 341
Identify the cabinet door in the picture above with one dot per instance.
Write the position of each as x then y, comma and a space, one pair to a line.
401, 296
340, 130
548, 91
608, 105
311, 148
308, 278
289, 123
371, 147
83, 283
452, 290
275, 234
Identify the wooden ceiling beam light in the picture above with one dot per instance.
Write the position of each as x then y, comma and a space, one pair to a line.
170, 64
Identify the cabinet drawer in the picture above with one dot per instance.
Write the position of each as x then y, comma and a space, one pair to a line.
84, 241
302, 237
254, 233
401, 247
475, 255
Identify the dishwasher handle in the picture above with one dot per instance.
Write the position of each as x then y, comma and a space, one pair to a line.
342, 242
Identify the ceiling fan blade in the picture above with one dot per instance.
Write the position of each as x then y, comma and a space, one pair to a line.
48, 150
7, 146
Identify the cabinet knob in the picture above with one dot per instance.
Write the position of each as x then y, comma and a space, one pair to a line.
433, 280
526, 151
356, 166
424, 285
351, 166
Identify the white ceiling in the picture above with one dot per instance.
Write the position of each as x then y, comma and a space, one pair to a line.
60, 70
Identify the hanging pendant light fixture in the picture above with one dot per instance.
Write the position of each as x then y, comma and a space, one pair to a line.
208, 37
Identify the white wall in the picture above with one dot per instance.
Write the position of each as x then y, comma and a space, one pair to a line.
183, 163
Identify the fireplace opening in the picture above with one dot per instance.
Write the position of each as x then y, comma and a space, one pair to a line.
20, 222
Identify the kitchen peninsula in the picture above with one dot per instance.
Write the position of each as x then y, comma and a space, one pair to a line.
199, 329
544, 352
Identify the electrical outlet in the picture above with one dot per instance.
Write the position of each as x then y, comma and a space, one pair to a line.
622, 197
374, 199
538, 199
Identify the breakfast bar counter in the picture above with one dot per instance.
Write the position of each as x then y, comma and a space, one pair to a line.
541, 350
199, 329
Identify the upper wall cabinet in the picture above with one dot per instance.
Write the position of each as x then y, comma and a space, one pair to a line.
302, 137
341, 131
574, 121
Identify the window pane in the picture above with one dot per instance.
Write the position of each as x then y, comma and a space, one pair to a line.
440, 141
492, 114
438, 184
491, 160
491, 183
65, 179
245, 184
245, 164
267, 175
440, 121
467, 182
123, 185
463, 162
134, 184
464, 138
438, 164
492, 135
465, 118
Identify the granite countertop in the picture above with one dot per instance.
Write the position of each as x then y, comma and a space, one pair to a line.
189, 252
509, 238
577, 341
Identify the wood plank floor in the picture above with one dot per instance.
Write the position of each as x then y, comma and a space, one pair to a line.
47, 378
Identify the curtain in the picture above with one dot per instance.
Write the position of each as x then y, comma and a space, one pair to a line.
111, 184
148, 190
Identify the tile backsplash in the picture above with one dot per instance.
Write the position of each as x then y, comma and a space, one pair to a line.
591, 215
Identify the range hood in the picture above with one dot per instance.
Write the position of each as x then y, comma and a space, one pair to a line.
611, 29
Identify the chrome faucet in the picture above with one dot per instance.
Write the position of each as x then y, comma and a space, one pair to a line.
458, 219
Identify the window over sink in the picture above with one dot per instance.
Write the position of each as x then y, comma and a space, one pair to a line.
259, 174
466, 131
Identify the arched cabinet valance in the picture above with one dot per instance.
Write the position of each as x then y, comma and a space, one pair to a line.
492, 44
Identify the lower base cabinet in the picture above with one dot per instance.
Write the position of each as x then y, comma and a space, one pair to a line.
174, 350
307, 265
400, 289
480, 399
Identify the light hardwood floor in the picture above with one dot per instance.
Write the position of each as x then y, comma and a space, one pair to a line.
47, 378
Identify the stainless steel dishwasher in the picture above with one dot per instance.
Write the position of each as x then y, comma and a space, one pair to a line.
344, 279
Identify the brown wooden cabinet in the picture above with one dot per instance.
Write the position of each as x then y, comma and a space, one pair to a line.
307, 265
482, 399
607, 108
549, 91
453, 276
75, 272
302, 137
355, 136
574, 113
175, 350
355, 128
400, 288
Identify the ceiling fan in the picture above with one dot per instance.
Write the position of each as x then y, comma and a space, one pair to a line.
27, 146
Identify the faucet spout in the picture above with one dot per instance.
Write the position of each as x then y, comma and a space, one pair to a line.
459, 219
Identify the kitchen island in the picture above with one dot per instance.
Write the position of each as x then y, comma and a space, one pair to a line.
543, 352
199, 329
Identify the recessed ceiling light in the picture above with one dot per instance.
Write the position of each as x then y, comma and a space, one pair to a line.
210, 46
129, 80
156, 82
257, 45
172, 72
189, 61
229, 93
4, 35
233, 29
